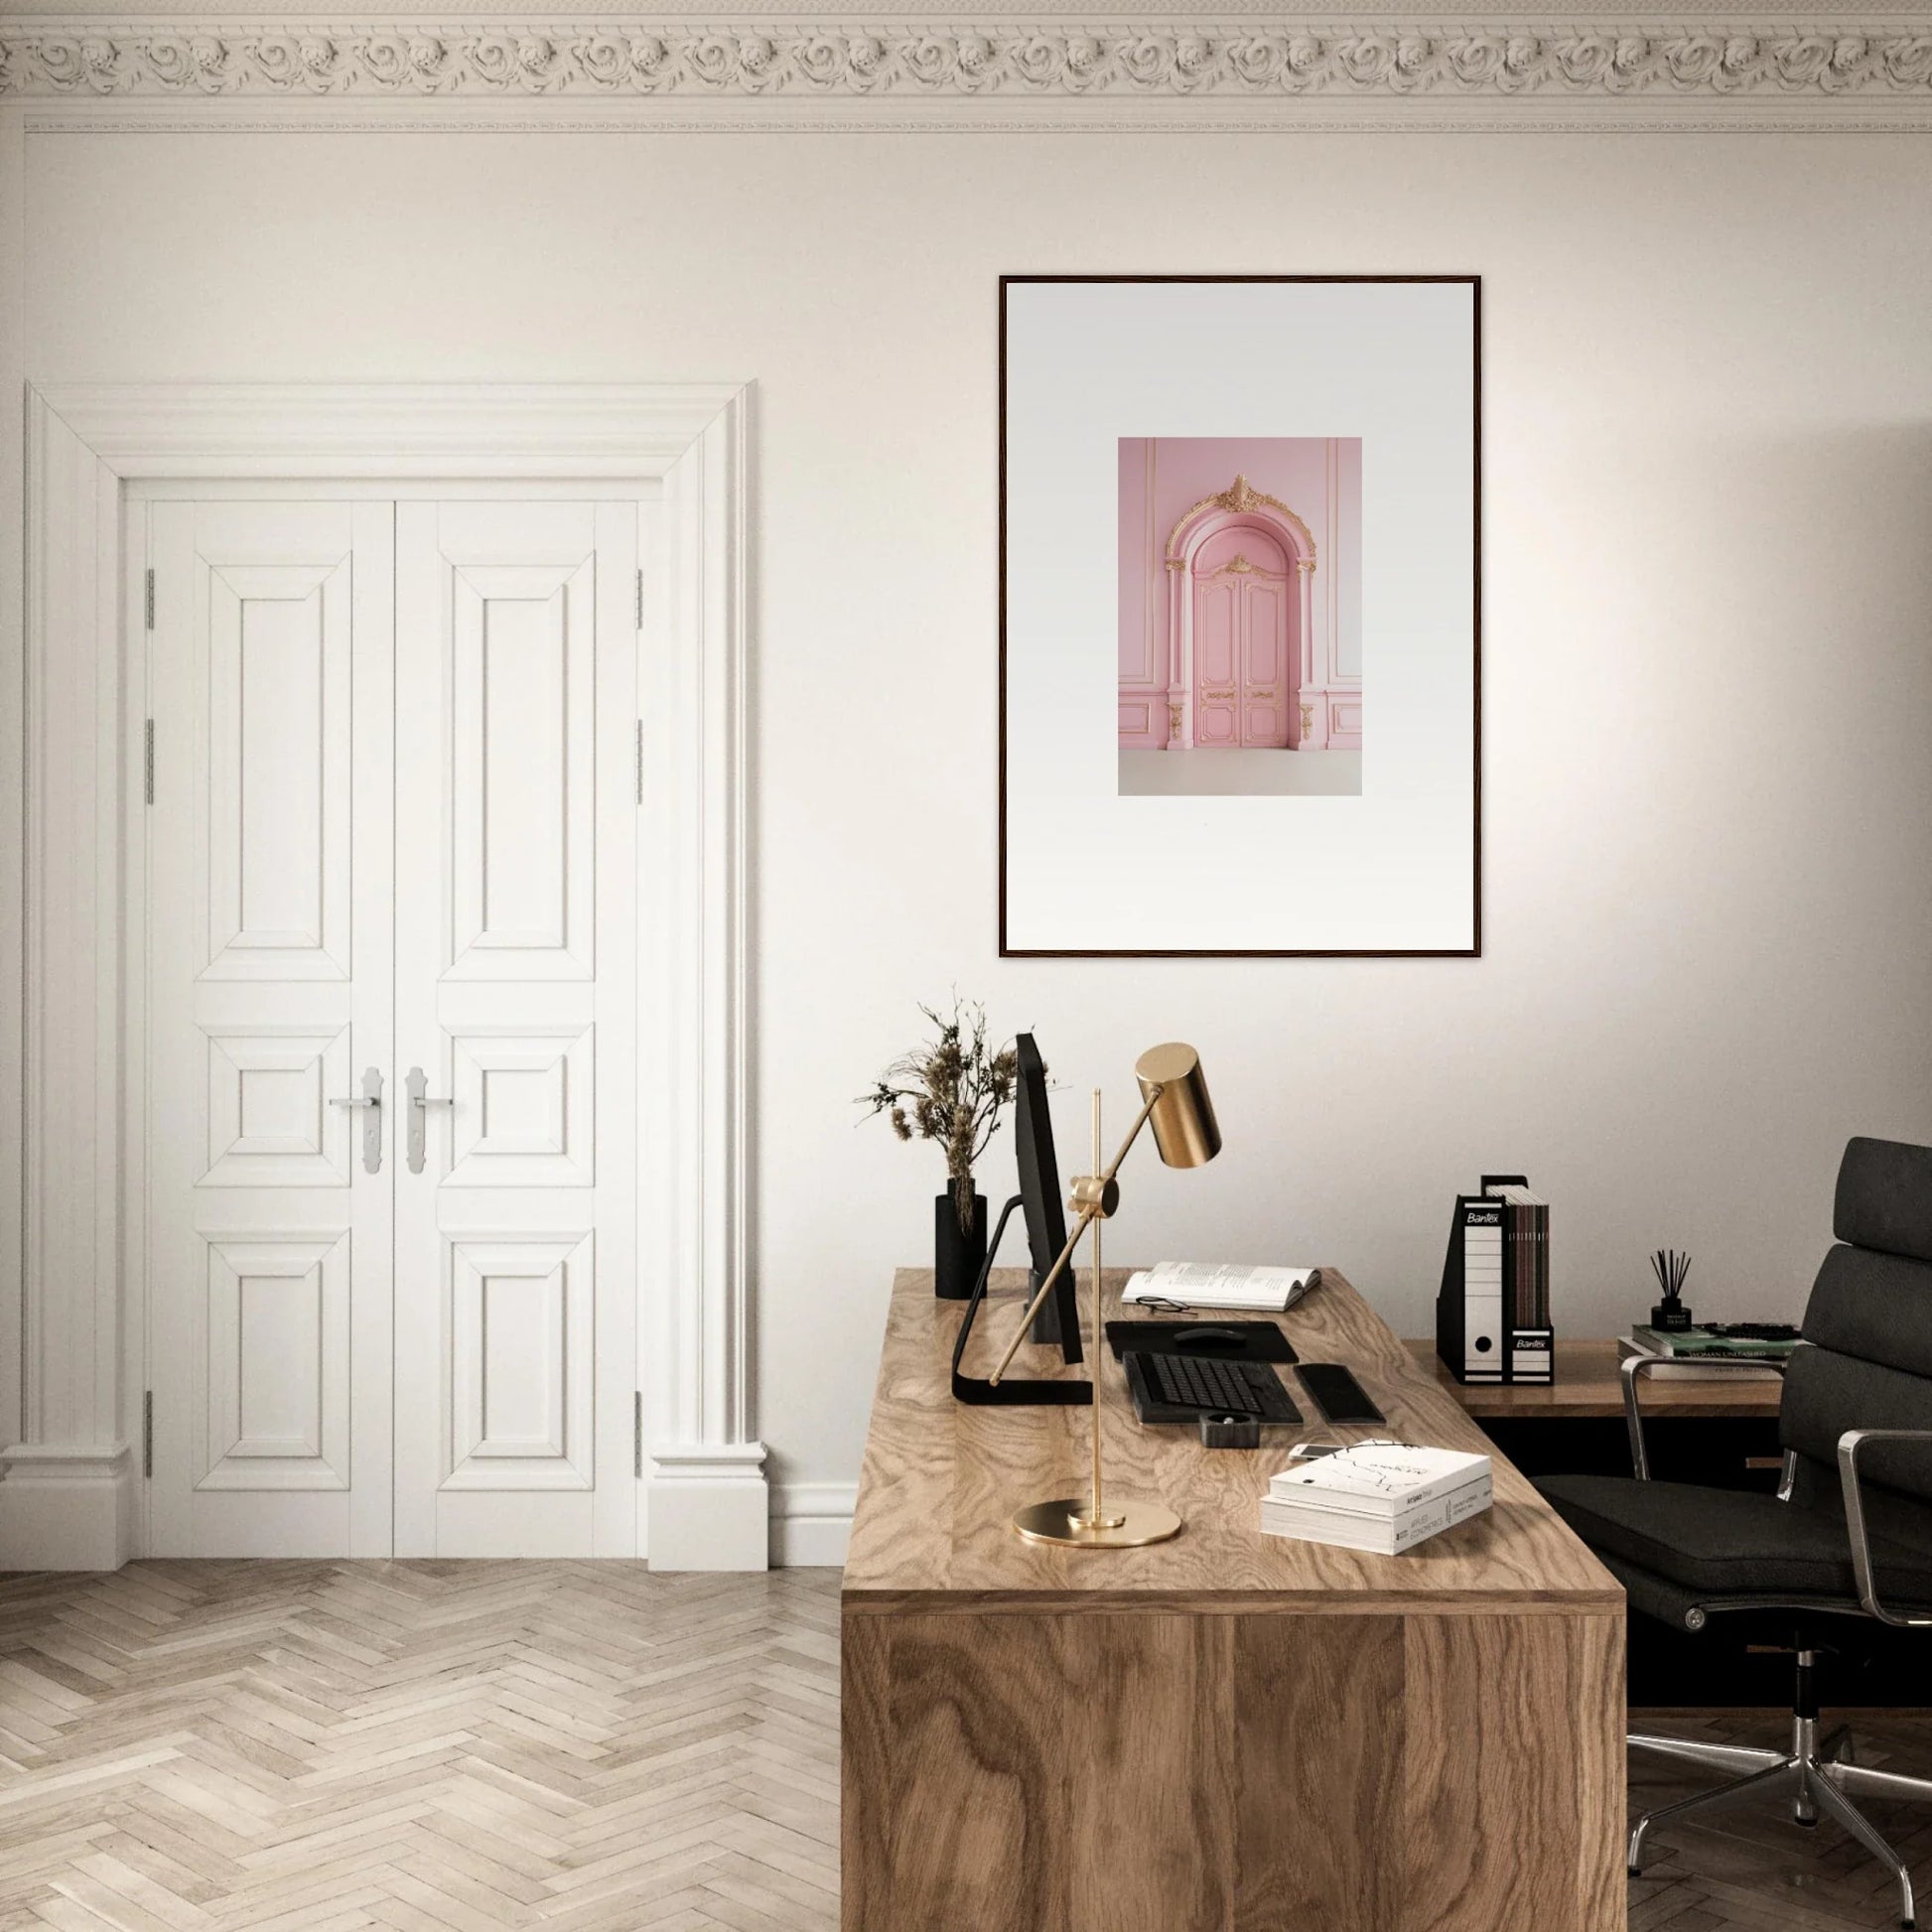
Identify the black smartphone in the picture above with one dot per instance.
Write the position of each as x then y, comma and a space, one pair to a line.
1336, 1393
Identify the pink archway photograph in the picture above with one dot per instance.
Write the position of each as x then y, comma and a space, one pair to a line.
1240, 661
1309, 535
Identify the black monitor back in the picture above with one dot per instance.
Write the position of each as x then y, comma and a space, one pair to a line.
1039, 1190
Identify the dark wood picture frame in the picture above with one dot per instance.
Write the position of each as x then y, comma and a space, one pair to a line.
1474, 949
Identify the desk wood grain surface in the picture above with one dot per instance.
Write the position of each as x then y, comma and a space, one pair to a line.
1587, 1387
941, 1481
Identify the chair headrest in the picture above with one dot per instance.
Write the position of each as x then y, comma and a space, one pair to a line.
1885, 1197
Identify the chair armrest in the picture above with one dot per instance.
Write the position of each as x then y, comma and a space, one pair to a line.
1848, 1446
1634, 1367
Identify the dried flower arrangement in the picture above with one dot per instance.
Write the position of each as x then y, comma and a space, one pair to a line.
952, 1090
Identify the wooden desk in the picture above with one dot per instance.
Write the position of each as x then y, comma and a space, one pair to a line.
1227, 1733
1588, 1386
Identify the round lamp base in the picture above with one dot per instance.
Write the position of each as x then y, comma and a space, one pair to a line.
1061, 1521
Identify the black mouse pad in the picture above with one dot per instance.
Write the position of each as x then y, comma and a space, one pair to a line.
1239, 1341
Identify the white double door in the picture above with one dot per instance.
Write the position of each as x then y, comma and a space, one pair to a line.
390, 858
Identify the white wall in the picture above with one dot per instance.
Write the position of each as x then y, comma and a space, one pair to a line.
1707, 667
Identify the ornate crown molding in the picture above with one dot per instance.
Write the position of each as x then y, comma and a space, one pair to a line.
611, 60
1240, 499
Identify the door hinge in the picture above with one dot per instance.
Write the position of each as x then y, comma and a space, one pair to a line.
147, 760
637, 1433
149, 594
147, 1433
640, 600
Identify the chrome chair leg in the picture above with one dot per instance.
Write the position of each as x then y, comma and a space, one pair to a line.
1837, 1806
1869, 1783
1786, 1773
1720, 1757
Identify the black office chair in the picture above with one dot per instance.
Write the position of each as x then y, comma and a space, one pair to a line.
1849, 1536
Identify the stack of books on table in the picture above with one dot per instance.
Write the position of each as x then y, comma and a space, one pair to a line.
1381, 1496
1696, 1354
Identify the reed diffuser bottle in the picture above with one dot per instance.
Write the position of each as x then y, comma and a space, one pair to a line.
1670, 1314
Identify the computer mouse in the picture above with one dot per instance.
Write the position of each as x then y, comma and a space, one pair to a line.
1209, 1338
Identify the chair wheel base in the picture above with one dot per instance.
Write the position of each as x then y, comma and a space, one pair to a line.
1809, 1824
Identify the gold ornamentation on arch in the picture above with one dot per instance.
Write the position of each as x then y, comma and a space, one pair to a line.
1241, 497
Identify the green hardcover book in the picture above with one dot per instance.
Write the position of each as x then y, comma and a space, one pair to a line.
1701, 1341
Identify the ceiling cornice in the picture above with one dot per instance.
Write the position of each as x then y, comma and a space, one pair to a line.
1260, 71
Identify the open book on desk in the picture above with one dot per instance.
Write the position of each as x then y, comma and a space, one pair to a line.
1216, 1285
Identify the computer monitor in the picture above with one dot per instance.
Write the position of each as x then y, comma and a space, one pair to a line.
1039, 1195
1039, 1201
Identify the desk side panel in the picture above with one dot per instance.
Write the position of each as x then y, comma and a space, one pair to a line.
1514, 1773
1146, 1772
1318, 1729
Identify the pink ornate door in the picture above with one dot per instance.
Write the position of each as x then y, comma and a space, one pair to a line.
1218, 623
1242, 667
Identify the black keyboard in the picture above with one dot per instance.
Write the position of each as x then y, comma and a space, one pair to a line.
1194, 1386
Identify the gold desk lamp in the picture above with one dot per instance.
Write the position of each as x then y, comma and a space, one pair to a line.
1175, 1101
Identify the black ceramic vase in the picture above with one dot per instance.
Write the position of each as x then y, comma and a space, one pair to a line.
957, 1255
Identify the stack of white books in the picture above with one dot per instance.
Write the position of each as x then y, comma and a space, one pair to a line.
1381, 1496
1219, 1284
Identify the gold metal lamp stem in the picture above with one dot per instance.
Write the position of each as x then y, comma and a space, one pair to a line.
1094, 1516
1088, 1523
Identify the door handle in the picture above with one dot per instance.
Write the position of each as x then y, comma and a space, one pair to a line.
420, 1102
370, 1098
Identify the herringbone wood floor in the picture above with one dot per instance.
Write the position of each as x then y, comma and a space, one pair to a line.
460, 1747
315, 1746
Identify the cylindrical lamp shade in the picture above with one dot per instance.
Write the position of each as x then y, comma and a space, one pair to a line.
1185, 1128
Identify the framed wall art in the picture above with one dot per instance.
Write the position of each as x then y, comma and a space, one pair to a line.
1240, 612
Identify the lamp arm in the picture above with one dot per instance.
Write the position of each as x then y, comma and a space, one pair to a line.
1132, 1133
1088, 1215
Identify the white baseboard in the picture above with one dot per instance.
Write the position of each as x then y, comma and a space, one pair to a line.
709, 1510
709, 1507
811, 1523
66, 1508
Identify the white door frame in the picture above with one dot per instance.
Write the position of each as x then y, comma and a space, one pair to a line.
69, 1497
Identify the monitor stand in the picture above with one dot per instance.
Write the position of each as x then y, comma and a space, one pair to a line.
1012, 1390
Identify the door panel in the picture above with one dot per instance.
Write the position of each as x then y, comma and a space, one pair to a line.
269, 958
1264, 644
516, 976
279, 749
523, 644
1217, 617
278, 1385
